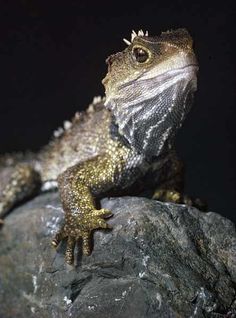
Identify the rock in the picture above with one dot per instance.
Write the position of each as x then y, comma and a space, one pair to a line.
160, 260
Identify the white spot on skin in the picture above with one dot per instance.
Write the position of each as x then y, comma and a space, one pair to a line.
67, 300
117, 299
91, 308
33, 310
96, 100
67, 124
57, 133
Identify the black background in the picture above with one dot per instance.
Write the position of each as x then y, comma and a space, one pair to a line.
52, 57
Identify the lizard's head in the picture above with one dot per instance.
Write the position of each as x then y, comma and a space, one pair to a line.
149, 87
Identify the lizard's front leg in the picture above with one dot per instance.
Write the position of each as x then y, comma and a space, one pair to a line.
78, 187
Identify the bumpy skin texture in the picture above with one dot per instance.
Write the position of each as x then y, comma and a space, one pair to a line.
122, 142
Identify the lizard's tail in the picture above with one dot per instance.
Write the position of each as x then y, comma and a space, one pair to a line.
17, 183
12, 159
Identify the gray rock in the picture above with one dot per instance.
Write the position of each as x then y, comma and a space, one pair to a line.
160, 260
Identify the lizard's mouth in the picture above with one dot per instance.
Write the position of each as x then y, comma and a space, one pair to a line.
188, 71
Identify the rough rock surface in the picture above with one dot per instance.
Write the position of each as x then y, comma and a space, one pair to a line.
160, 260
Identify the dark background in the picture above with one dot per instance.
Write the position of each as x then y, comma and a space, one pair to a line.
52, 57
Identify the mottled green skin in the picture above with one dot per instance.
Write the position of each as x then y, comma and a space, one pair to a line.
87, 167
92, 158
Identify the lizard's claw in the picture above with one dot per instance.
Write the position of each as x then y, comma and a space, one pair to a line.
58, 237
76, 229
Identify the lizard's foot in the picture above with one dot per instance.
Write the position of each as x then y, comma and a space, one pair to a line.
80, 228
1, 222
165, 195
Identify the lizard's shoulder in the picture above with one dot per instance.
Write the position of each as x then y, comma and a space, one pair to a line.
94, 113
82, 138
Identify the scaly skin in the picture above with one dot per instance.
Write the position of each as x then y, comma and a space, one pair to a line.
122, 142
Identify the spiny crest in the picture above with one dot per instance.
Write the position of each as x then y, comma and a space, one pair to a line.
60, 130
97, 100
134, 35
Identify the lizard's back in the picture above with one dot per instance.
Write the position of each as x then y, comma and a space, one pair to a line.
23, 174
86, 138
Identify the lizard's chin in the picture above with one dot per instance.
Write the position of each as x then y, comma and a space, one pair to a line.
148, 111
140, 86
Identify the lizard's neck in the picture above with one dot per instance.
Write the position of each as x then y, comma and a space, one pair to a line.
148, 123
115, 134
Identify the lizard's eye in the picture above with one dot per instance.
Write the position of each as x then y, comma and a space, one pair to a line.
140, 54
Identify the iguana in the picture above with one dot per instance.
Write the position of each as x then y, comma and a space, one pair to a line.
123, 143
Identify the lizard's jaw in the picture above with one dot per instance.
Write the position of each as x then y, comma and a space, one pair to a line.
150, 109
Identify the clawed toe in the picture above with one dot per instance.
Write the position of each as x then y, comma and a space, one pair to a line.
86, 244
58, 238
103, 213
69, 255
76, 229
102, 224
